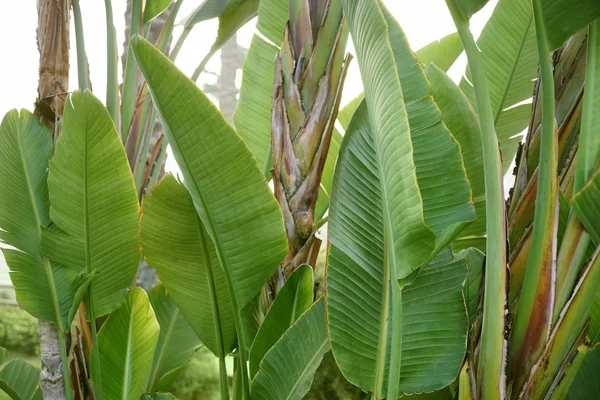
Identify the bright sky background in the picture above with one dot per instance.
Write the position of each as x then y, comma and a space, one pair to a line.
423, 22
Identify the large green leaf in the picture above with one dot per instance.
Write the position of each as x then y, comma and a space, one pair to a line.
126, 344
43, 289
508, 49
292, 300
358, 284
176, 341
229, 191
563, 18
286, 372
442, 52
409, 240
20, 380
460, 117
93, 199
175, 242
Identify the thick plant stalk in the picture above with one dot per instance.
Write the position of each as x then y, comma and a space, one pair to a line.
309, 74
490, 374
112, 79
533, 319
82, 70
53, 45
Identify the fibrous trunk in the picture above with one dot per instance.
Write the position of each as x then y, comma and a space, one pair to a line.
53, 45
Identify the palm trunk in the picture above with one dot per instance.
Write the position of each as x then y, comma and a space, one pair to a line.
309, 74
53, 45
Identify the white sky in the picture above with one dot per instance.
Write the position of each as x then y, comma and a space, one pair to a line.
423, 22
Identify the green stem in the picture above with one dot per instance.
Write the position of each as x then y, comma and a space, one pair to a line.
224, 379
491, 365
81, 57
396, 354
154, 175
180, 41
96, 373
589, 144
533, 318
203, 63
112, 82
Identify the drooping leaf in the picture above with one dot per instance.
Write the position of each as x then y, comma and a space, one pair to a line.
287, 370
43, 289
435, 149
20, 380
508, 50
153, 8
126, 344
357, 282
442, 52
586, 205
208, 9
176, 341
460, 118
228, 189
175, 242
292, 300
563, 18
409, 240
93, 199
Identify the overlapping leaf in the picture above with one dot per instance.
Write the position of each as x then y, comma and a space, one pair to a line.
176, 341
287, 370
228, 189
563, 18
442, 52
126, 344
358, 285
175, 242
93, 199
20, 380
43, 289
292, 300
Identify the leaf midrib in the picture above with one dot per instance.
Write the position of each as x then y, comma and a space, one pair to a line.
211, 289
128, 356
161, 354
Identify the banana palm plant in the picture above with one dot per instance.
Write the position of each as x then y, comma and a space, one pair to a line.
418, 302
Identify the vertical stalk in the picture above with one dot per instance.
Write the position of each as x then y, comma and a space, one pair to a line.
112, 83
95, 368
128, 96
82, 75
180, 41
223, 379
491, 359
533, 318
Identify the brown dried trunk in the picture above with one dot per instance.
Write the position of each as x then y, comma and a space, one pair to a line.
53, 45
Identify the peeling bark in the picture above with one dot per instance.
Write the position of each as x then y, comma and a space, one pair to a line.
53, 45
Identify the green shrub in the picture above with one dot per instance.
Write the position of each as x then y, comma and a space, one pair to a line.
19, 331
200, 379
